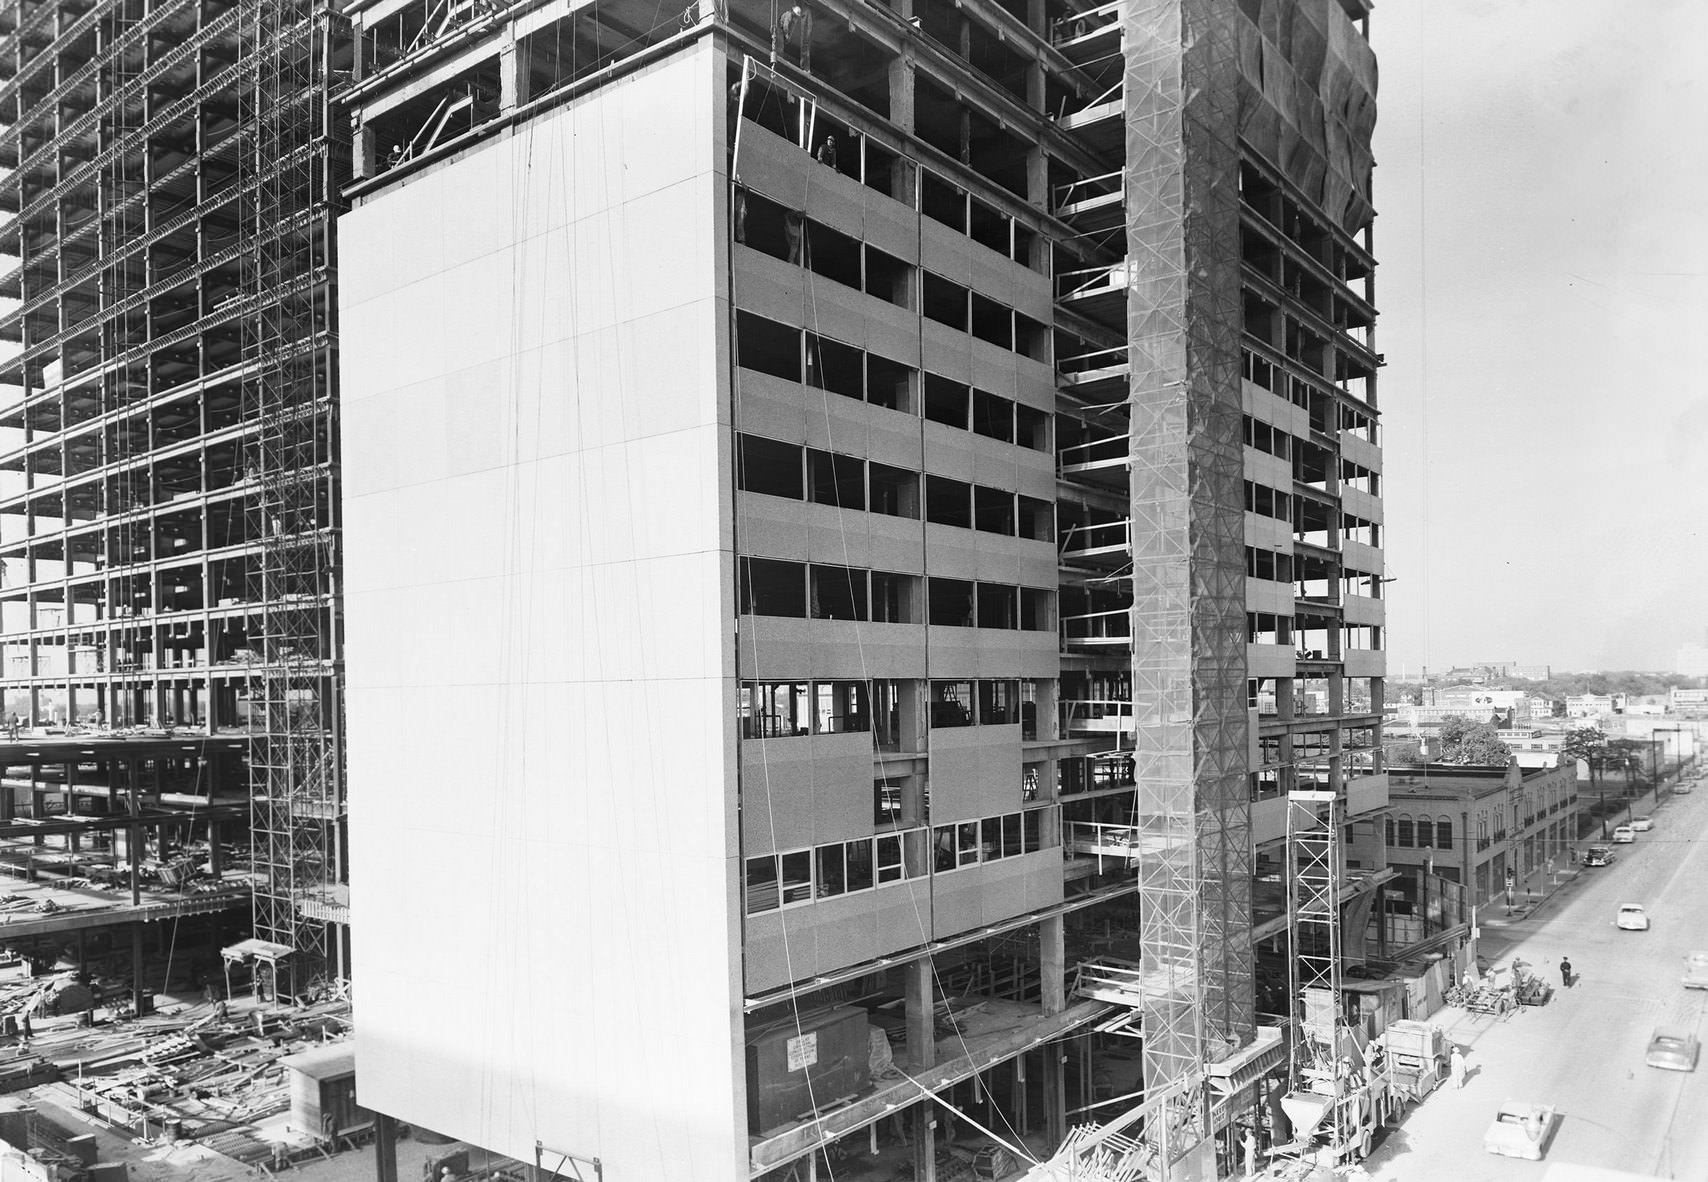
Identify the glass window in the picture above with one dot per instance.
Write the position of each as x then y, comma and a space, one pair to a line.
889, 859
1405, 833
762, 884
1032, 830
797, 877
967, 843
858, 860
1011, 835
1444, 834
943, 845
831, 877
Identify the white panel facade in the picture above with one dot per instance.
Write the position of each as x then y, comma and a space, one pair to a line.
540, 655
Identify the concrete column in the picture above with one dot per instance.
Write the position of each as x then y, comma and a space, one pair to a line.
141, 1000
362, 149
921, 1035
901, 91
1052, 964
385, 1148
925, 1141
1055, 1094
512, 73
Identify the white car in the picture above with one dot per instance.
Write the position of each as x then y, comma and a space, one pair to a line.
1642, 824
1624, 834
1632, 918
1683, 787
1520, 1130
1696, 970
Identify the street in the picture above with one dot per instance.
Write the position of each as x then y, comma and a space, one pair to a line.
1583, 1052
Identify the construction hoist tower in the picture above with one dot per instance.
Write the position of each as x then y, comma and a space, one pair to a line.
290, 460
1340, 1093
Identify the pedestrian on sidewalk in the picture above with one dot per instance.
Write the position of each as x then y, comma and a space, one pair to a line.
1565, 972
1456, 1067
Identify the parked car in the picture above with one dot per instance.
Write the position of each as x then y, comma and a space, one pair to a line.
1520, 1130
1598, 855
1632, 918
1673, 1049
1696, 970
1624, 834
1684, 786
1642, 824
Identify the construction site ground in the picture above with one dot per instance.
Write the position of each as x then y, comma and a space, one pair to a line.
242, 1113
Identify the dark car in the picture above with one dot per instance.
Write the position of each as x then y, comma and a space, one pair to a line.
1598, 855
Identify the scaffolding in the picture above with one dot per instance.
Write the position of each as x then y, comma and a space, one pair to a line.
1189, 691
290, 470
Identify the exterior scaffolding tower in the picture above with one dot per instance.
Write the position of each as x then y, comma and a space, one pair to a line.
1189, 675
295, 705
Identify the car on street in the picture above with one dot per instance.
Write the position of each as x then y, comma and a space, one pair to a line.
1642, 824
1683, 786
1598, 855
1696, 970
1520, 1129
1632, 918
1624, 834
1673, 1049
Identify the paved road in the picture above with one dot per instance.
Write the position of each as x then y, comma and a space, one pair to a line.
1584, 1051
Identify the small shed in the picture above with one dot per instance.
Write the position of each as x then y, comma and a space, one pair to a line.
323, 1092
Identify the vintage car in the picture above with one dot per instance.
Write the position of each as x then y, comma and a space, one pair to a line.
1624, 834
1632, 918
1696, 970
1642, 824
1672, 1049
1520, 1130
1598, 855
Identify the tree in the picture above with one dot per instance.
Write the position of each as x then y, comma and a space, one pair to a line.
1588, 744
1467, 742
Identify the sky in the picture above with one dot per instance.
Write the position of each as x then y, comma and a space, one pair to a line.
1542, 247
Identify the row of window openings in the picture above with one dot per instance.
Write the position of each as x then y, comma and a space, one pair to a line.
941, 200
781, 709
793, 354
773, 587
847, 482
1301, 393
1267, 628
1405, 833
796, 877
787, 234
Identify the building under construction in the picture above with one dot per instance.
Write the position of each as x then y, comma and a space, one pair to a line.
169, 175
880, 501
889, 496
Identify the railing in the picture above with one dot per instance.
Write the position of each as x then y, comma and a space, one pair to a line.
1085, 281
1084, 24
1097, 453
1086, 540
1089, 188
1105, 627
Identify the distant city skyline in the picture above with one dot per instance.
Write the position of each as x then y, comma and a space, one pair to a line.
1544, 291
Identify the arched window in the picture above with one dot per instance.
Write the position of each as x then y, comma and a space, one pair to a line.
1444, 834
1405, 834
1390, 831
1425, 832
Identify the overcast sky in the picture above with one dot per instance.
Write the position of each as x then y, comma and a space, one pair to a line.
1542, 188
